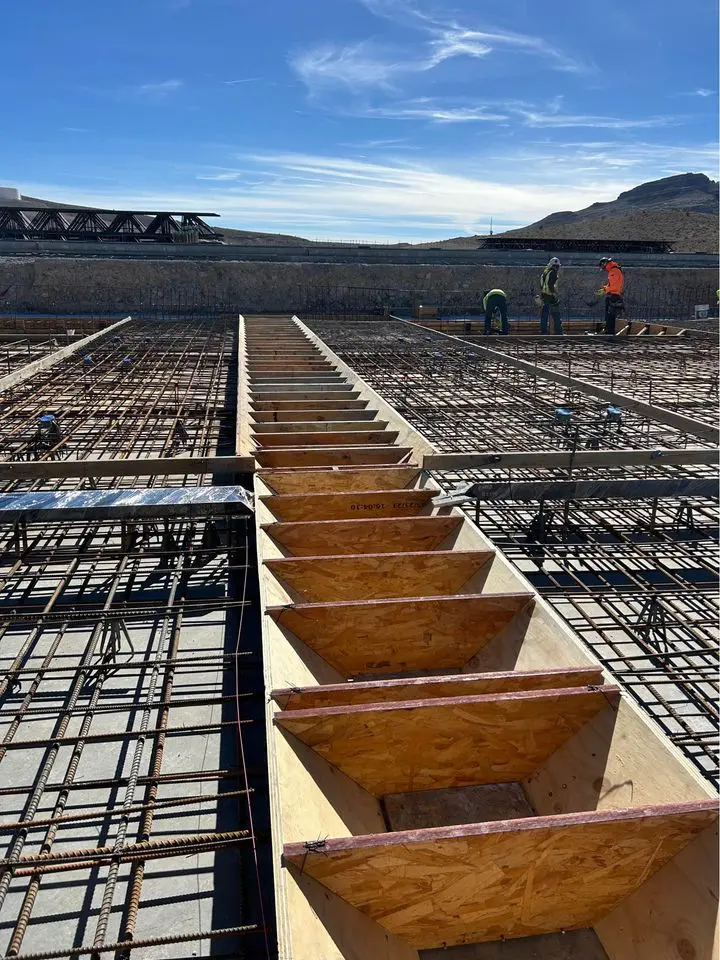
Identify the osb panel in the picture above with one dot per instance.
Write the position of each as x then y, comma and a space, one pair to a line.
507, 879
341, 480
374, 576
454, 742
392, 636
333, 438
331, 456
393, 535
346, 506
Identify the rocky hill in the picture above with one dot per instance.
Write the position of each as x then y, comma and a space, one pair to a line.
682, 209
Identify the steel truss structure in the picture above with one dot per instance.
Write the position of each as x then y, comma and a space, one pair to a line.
637, 578
31, 222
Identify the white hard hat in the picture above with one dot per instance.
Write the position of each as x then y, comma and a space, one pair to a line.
554, 262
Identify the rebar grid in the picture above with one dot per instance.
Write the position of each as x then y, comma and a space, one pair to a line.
637, 579
153, 389
462, 400
120, 712
17, 352
678, 373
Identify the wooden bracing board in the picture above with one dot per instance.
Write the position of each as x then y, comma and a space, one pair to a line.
507, 879
446, 742
424, 688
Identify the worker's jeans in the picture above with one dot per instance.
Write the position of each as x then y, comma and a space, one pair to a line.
613, 306
494, 303
551, 306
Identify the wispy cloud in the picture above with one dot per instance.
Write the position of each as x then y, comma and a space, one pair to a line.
156, 92
369, 65
534, 117
357, 67
701, 92
233, 83
526, 114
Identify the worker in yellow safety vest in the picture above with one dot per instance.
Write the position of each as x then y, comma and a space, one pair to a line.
495, 301
550, 297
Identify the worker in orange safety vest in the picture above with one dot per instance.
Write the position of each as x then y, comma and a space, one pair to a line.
613, 292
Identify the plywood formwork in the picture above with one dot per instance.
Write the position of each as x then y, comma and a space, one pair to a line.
622, 834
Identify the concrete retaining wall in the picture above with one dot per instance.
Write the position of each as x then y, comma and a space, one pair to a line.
121, 286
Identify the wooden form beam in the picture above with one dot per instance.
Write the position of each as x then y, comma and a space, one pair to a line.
694, 428
14, 379
506, 879
566, 460
325, 537
348, 506
378, 576
444, 743
151, 467
425, 688
394, 636
597, 489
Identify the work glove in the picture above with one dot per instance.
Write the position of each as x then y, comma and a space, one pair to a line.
600, 292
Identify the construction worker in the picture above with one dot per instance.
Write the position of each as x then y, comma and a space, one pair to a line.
613, 292
495, 301
550, 297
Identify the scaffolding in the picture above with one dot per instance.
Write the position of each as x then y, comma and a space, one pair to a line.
636, 576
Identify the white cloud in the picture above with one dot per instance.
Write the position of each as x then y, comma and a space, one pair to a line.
702, 92
156, 91
367, 65
339, 197
358, 67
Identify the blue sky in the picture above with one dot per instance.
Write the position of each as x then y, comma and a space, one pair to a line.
355, 119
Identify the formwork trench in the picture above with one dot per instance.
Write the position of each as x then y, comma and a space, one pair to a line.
279, 680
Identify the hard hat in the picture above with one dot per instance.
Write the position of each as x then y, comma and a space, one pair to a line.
554, 262
604, 261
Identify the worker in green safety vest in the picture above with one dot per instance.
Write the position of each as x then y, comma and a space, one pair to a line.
495, 301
